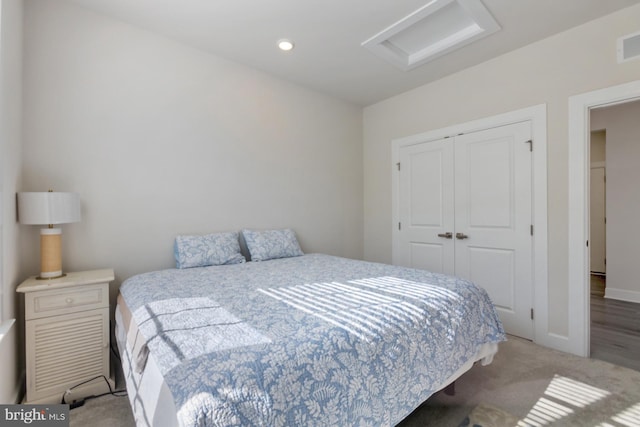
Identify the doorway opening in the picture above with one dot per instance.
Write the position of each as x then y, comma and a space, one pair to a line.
614, 207
580, 110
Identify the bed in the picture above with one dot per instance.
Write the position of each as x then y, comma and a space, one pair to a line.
306, 340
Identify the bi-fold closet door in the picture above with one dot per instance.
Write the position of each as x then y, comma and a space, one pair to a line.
465, 206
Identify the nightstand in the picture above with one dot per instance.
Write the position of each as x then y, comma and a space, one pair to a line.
67, 336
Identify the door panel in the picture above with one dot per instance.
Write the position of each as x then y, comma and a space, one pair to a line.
597, 239
493, 209
426, 206
494, 268
427, 256
488, 182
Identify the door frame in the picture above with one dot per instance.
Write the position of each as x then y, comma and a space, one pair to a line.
537, 115
579, 169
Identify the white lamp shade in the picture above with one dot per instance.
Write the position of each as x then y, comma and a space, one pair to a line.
48, 208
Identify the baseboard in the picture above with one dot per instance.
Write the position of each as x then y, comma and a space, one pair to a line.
554, 341
622, 294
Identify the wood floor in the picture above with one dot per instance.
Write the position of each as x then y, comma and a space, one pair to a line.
615, 328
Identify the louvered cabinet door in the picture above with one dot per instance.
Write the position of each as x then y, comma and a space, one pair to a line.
67, 336
63, 351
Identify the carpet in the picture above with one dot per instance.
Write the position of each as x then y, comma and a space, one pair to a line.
489, 416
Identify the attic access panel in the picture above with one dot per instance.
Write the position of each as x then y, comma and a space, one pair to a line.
435, 29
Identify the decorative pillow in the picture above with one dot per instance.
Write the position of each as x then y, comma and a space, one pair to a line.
271, 244
208, 249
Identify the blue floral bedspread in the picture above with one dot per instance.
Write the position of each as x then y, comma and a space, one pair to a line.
314, 340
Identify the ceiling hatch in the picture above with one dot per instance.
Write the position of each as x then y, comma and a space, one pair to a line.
435, 29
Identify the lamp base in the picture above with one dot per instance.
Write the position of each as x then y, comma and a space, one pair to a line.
50, 253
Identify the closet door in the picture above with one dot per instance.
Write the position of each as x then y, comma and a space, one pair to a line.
493, 217
426, 207
465, 207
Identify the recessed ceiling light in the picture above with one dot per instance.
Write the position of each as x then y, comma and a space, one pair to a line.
285, 45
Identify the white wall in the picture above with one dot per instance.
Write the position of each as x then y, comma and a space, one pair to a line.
11, 367
623, 197
162, 139
597, 153
549, 71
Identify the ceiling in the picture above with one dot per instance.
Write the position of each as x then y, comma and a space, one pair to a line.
328, 56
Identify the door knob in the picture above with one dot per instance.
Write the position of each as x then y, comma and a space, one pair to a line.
446, 235
461, 236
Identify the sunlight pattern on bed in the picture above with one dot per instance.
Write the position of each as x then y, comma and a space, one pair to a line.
186, 328
359, 311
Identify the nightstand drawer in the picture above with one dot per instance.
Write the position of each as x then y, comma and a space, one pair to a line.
67, 300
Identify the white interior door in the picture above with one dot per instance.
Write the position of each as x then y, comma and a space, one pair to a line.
598, 228
493, 217
426, 207
477, 186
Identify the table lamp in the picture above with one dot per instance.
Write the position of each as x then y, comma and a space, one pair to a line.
49, 208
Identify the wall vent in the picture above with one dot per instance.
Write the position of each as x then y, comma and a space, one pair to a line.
629, 47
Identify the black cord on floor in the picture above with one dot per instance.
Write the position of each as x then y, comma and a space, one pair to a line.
73, 405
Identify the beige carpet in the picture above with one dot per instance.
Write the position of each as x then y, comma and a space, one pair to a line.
489, 416
536, 385
541, 387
